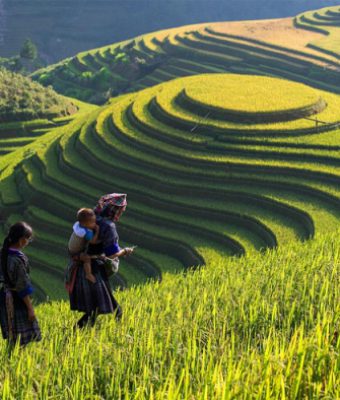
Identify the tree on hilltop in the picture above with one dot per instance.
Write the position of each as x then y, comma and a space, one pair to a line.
29, 50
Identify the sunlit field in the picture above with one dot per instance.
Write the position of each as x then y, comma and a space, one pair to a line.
260, 326
227, 144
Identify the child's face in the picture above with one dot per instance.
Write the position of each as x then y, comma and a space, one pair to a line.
90, 222
24, 241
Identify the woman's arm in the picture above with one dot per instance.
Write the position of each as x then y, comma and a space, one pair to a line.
23, 286
28, 302
110, 243
122, 252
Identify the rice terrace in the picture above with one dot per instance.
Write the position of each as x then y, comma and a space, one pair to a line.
225, 136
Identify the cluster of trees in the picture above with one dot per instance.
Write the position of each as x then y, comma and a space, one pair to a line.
26, 61
22, 99
112, 79
103, 83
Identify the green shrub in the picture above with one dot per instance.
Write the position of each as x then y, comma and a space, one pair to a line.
23, 99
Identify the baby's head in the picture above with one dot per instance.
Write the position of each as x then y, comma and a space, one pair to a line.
86, 218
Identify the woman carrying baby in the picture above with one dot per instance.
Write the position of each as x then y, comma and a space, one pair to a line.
96, 297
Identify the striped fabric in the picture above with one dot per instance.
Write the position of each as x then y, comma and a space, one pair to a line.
88, 297
16, 326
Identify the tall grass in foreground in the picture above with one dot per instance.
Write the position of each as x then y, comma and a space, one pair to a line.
258, 327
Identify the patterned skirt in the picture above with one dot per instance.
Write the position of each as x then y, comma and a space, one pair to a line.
17, 326
92, 297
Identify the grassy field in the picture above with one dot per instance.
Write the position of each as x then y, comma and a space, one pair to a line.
265, 326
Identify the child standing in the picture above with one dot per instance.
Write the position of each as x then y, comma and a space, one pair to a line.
85, 231
17, 317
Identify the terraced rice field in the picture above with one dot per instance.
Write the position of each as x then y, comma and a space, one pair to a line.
15, 135
206, 48
326, 21
208, 174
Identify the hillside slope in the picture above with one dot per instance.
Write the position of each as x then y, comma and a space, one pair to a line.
24, 132
23, 100
214, 165
326, 21
260, 327
279, 48
28, 111
63, 28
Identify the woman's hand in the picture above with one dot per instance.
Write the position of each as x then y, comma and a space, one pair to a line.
30, 309
128, 250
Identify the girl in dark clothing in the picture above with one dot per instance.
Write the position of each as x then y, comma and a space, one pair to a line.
96, 298
17, 317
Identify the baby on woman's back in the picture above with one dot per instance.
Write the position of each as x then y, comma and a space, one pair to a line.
85, 232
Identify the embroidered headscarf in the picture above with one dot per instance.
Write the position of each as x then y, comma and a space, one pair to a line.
109, 204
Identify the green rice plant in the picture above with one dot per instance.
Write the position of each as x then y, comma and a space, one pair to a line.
263, 326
